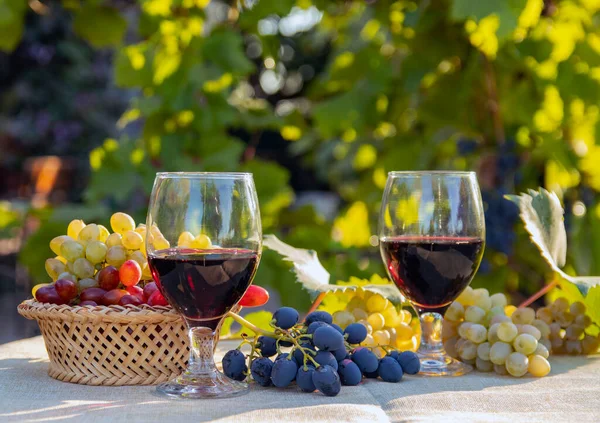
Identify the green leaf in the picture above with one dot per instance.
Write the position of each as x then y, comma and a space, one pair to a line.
313, 276
508, 12
592, 303
101, 26
12, 14
133, 66
226, 49
260, 319
542, 215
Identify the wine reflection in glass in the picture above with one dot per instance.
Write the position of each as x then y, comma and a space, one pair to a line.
204, 241
432, 232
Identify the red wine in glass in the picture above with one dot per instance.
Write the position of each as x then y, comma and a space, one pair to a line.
432, 271
203, 285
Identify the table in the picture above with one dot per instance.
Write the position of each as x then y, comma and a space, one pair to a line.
570, 394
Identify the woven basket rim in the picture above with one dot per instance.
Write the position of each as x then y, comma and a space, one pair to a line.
32, 309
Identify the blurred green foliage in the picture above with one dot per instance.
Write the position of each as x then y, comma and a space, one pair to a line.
509, 88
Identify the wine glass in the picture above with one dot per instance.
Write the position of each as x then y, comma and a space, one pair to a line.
204, 241
431, 233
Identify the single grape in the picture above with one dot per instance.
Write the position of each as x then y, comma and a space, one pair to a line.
75, 226
255, 296
108, 278
554, 328
157, 299
121, 223
544, 314
104, 233
467, 297
299, 354
138, 257
89, 233
92, 294
573, 347
523, 316
368, 342
137, 292
495, 311
483, 351
583, 320
304, 378
130, 273
83, 268
450, 346
57, 242
538, 366
531, 330
499, 300
463, 328
376, 320
327, 380
546, 343
525, 344
285, 317
391, 317
185, 239
410, 363
130, 299
474, 314
326, 358
355, 302
574, 332
340, 354
88, 303
116, 256
476, 333
95, 252
577, 308
500, 369
499, 352
589, 344
149, 289
359, 314
132, 240
338, 328
455, 312
517, 364
54, 268
114, 239
261, 370
87, 283
283, 373
542, 327
483, 365
314, 326
234, 365
500, 318
201, 242
267, 346
318, 316
468, 350
564, 319
507, 332
113, 297
72, 250
390, 370
377, 303
482, 299
343, 318
406, 316
66, 289
541, 350
349, 373
404, 332
365, 359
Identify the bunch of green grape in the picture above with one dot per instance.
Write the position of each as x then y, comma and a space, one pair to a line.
387, 325
483, 330
571, 329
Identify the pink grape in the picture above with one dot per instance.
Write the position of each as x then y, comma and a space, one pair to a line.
130, 299
48, 294
136, 291
255, 296
88, 303
92, 294
113, 297
149, 289
130, 273
157, 299
66, 289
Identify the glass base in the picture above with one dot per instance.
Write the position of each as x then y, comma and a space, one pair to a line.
210, 385
442, 365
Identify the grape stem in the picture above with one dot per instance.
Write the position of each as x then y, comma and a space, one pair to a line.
249, 325
539, 294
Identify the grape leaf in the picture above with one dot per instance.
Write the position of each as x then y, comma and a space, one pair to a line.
315, 278
542, 215
101, 26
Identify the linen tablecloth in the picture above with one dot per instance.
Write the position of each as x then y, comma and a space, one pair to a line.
570, 394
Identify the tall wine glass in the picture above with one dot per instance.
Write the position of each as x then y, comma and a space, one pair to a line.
204, 241
431, 233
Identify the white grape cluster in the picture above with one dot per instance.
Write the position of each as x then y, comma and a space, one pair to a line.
568, 324
386, 325
85, 249
483, 330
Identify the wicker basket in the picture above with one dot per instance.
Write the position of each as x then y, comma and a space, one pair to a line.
113, 345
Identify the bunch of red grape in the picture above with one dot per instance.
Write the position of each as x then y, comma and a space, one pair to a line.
319, 355
95, 267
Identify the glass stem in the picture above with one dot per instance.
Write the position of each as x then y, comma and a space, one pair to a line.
431, 333
202, 342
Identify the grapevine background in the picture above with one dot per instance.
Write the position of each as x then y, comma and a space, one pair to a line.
319, 99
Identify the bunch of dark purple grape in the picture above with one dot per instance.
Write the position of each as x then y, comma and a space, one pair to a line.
319, 355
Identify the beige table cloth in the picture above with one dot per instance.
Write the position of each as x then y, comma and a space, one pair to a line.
570, 394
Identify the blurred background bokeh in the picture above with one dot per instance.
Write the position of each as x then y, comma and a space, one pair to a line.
318, 98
